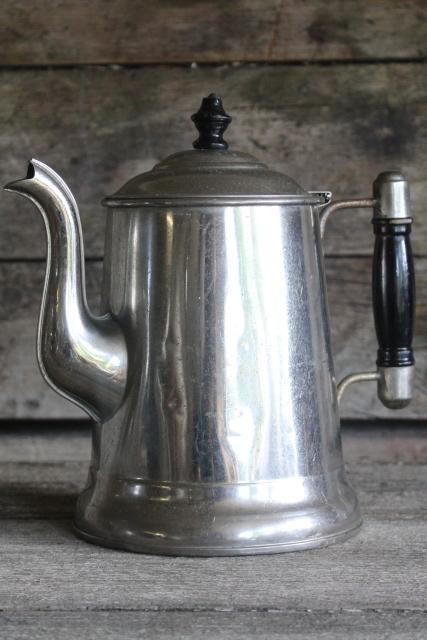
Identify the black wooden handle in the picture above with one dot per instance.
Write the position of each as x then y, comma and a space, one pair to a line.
393, 291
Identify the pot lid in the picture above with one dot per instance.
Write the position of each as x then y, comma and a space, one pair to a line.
210, 173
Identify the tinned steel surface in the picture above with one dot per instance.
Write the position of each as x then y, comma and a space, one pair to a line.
210, 176
227, 440
352, 378
82, 357
396, 386
391, 193
339, 205
210, 372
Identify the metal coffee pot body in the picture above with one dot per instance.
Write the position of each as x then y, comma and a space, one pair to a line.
209, 371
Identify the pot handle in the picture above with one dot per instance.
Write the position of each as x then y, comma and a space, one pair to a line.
393, 289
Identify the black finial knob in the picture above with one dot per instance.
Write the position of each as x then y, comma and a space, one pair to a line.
211, 122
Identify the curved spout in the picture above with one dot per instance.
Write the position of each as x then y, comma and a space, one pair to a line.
81, 356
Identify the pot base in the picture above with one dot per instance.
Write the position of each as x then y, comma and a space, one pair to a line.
314, 543
218, 519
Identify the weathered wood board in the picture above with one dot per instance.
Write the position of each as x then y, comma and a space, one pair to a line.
23, 393
331, 127
53, 586
124, 31
214, 625
44, 567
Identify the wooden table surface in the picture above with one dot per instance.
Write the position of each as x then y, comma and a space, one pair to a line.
55, 586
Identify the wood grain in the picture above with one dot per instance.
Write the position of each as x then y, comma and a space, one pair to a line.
217, 625
55, 586
24, 394
45, 567
332, 127
122, 31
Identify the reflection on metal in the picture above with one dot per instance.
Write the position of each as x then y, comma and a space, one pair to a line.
395, 386
210, 371
363, 376
81, 356
342, 204
227, 441
391, 193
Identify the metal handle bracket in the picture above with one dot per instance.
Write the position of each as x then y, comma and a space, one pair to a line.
342, 204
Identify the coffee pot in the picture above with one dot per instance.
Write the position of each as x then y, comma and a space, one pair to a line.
209, 371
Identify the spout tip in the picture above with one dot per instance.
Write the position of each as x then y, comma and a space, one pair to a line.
13, 186
9, 186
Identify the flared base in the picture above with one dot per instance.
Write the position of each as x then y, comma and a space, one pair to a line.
218, 519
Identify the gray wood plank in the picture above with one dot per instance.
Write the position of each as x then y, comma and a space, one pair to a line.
330, 127
218, 625
24, 394
45, 567
38, 442
374, 586
122, 31
30, 490
393, 442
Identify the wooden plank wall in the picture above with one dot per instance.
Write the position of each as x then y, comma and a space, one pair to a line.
330, 92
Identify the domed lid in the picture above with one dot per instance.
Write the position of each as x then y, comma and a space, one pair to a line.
210, 174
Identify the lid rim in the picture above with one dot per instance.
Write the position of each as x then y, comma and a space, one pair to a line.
209, 174
181, 200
